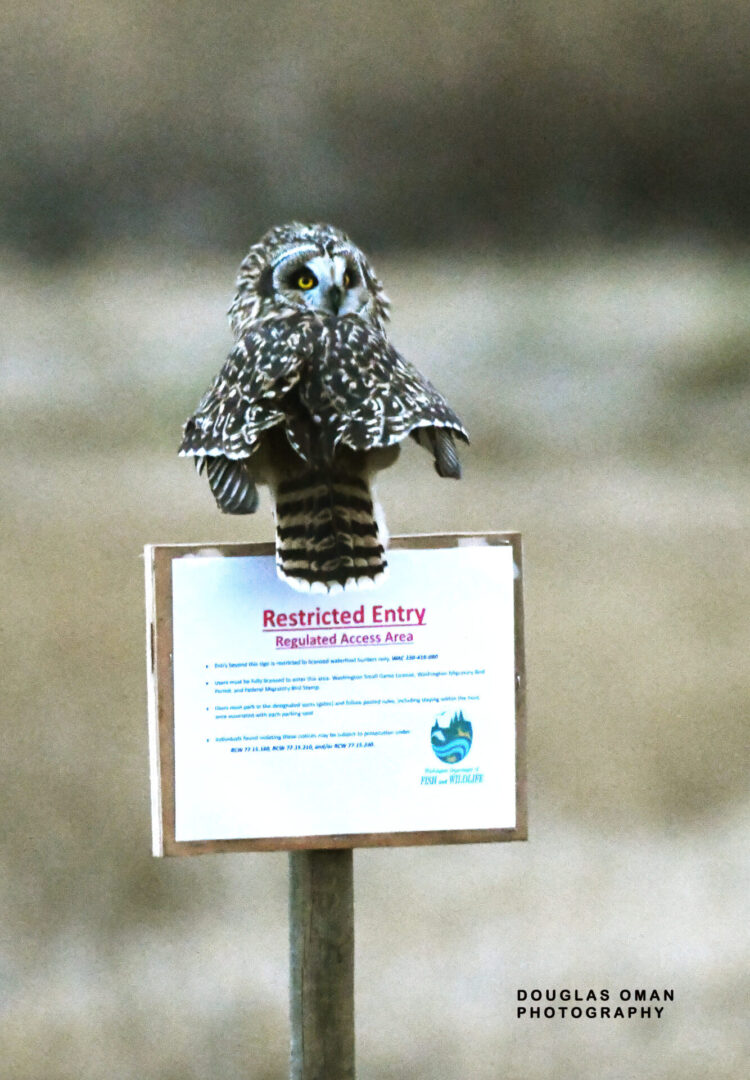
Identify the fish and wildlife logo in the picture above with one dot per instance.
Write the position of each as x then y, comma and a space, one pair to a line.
451, 737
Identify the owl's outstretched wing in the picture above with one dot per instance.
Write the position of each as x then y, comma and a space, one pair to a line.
372, 397
246, 398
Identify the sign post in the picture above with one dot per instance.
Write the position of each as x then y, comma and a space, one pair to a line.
321, 950
320, 723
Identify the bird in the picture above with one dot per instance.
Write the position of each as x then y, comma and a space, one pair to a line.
312, 402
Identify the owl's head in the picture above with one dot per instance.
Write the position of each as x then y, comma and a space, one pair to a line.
301, 268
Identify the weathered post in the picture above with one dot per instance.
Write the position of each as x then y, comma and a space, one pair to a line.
321, 938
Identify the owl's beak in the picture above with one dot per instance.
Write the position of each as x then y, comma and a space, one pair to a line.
334, 297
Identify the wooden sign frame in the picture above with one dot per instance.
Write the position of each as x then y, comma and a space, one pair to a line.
158, 559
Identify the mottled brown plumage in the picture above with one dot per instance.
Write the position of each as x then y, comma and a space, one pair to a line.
313, 400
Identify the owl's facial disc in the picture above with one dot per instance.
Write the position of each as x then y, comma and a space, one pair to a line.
327, 284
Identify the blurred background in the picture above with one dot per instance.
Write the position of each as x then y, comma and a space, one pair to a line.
557, 197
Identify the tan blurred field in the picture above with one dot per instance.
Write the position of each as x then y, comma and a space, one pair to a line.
608, 403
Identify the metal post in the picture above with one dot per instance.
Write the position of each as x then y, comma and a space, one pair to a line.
321, 937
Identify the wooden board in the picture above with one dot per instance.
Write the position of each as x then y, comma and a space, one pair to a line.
159, 627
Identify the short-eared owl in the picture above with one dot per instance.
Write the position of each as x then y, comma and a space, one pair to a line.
312, 401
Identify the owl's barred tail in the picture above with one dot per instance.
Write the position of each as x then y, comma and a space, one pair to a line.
326, 534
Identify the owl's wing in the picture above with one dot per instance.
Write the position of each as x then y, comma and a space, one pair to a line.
438, 441
373, 397
246, 398
231, 483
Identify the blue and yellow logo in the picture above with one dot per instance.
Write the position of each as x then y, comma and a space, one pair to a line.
451, 743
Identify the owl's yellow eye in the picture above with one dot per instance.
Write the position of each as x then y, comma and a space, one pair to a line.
347, 279
304, 279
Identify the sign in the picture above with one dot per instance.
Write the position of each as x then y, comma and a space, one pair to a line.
383, 716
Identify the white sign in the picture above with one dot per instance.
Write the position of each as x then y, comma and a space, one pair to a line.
380, 711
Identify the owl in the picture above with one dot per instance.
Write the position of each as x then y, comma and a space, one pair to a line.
312, 402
